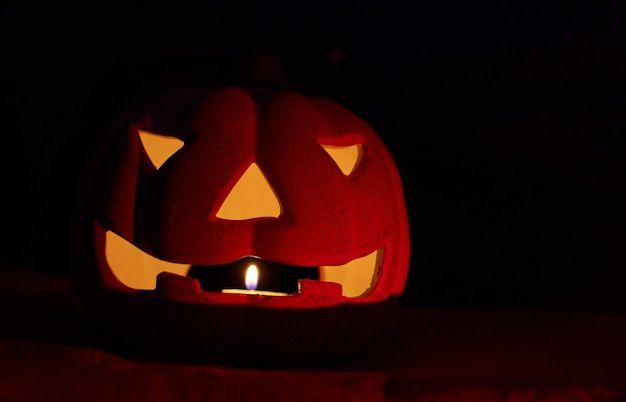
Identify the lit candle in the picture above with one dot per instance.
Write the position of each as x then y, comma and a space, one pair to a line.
252, 280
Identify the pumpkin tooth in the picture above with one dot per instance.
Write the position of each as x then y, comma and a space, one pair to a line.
176, 287
319, 289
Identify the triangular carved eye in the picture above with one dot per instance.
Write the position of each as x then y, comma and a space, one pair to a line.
346, 157
159, 147
251, 197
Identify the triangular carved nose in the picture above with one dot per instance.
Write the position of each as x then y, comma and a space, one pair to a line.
251, 197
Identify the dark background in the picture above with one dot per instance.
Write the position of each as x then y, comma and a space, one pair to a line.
506, 120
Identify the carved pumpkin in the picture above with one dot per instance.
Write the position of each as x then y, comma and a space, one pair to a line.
241, 225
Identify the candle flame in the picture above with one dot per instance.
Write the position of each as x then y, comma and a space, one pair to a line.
252, 277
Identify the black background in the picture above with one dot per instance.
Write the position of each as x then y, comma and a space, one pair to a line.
506, 120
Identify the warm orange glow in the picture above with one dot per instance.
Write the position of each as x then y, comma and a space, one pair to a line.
252, 277
252, 197
135, 268
159, 147
358, 277
138, 270
347, 158
252, 281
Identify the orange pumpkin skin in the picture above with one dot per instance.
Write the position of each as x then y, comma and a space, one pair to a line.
327, 218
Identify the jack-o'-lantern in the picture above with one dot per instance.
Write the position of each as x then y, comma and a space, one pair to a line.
241, 225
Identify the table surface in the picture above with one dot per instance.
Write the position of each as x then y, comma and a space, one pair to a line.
430, 354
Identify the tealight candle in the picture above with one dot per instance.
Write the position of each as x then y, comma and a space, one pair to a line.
254, 292
252, 279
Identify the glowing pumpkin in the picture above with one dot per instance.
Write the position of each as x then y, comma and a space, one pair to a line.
241, 225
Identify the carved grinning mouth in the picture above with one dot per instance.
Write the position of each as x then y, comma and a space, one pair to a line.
138, 270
